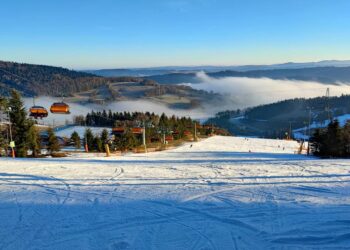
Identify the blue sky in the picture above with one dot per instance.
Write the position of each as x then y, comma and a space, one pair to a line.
141, 33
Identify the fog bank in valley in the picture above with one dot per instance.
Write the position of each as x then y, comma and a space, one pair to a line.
128, 106
238, 92
242, 92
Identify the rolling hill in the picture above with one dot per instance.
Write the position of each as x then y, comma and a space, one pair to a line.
274, 120
41, 80
32, 79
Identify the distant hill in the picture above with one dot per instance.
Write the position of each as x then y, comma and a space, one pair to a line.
328, 75
127, 72
44, 80
273, 120
143, 72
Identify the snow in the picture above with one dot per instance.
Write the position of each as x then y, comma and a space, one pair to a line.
219, 193
300, 132
343, 119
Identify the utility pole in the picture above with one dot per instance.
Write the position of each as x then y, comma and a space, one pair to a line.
7, 142
290, 130
195, 131
144, 137
86, 143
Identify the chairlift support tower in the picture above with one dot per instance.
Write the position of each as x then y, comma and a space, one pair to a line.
328, 108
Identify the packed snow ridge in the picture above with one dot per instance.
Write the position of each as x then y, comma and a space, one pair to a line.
219, 193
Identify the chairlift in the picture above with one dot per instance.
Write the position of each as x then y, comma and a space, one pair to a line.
60, 108
38, 111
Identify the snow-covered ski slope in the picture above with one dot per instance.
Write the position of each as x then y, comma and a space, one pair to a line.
214, 194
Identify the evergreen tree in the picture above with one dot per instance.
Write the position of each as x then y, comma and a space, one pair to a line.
89, 138
98, 145
127, 141
34, 142
316, 142
104, 136
331, 142
346, 139
75, 138
2, 142
20, 123
53, 143
3, 103
334, 143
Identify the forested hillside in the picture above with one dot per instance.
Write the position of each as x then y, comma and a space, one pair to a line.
44, 80
273, 120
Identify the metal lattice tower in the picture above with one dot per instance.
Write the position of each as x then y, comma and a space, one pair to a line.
327, 105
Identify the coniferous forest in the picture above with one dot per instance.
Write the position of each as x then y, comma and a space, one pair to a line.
333, 141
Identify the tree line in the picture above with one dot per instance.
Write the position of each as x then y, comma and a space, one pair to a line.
332, 141
273, 120
157, 128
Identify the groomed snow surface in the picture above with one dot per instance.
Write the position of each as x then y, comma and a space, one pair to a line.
214, 194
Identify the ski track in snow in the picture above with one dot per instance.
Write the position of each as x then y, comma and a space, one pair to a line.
213, 195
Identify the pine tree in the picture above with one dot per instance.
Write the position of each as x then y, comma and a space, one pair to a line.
34, 142
126, 141
98, 145
75, 138
333, 143
104, 138
89, 138
346, 139
3, 146
20, 123
2, 142
317, 143
53, 143
3, 103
